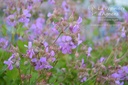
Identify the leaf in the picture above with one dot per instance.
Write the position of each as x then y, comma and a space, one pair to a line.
4, 30
21, 30
21, 46
13, 74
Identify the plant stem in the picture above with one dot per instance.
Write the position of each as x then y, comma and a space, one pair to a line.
20, 75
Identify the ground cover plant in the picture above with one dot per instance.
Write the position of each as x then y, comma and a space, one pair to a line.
63, 42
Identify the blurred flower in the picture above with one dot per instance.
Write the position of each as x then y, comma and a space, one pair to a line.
89, 51
51, 1
76, 27
30, 51
3, 43
83, 79
66, 44
10, 20
65, 6
121, 74
123, 33
79, 20
41, 63
101, 60
83, 64
25, 16
10, 62
119, 83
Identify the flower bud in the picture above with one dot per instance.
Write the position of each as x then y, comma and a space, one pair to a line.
17, 64
26, 63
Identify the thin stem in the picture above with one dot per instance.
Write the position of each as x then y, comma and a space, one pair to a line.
59, 35
57, 38
30, 73
20, 75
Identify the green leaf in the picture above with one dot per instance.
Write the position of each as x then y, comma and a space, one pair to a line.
21, 30
13, 74
4, 30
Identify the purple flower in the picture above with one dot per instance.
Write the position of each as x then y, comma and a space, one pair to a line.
41, 63
82, 63
119, 83
51, 1
83, 79
79, 20
66, 44
123, 33
74, 29
121, 74
52, 53
25, 16
126, 16
11, 20
10, 62
45, 44
30, 50
79, 40
125, 69
49, 14
44, 63
102, 59
26, 13
116, 76
89, 51
3, 43
65, 6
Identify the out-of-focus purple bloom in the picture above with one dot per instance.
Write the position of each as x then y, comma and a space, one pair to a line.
11, 20
30, 51
121, 74
25, 16
123, 33
34, 60
39, 23
126, 16
116, 76
82, 63
102, 59
36, 28
119, 83
41, 63
55, 31
125, 69
3, 43
26, 13
79, 20
74, 29
51, 1
65, 6
107, 39
83, 79
52, 53
49, 14
89, 51
45, 44
66, 44
79, 40
10, 62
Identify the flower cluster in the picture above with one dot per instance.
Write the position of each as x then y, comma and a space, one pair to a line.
120, 75
46, 40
